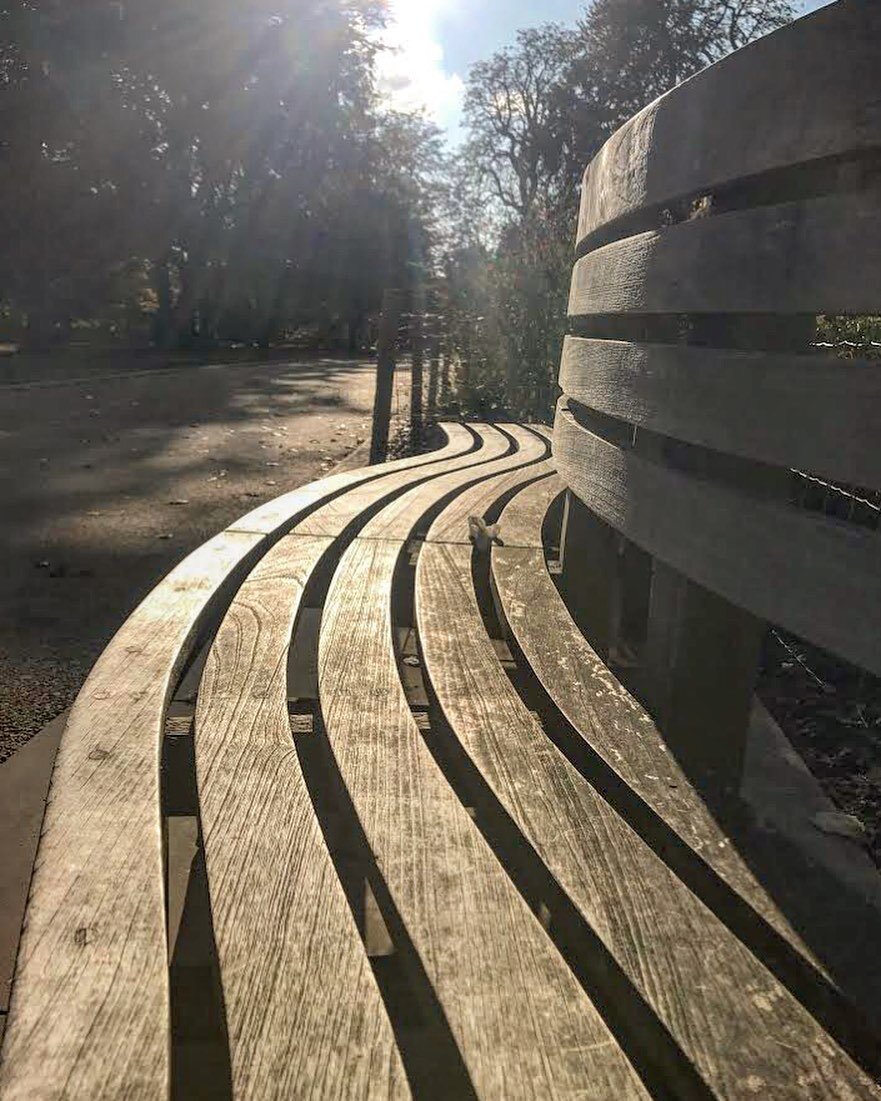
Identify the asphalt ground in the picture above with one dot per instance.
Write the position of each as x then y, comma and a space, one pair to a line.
108, 480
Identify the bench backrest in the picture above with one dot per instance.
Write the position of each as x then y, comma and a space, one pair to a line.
715, 226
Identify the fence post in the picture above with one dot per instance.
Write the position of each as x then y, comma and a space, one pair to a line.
385, 373
463, 374
444, 352
417, 350
433, 367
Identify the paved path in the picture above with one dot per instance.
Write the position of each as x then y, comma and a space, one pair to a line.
93, 474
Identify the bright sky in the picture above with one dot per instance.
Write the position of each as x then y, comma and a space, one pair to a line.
435, 42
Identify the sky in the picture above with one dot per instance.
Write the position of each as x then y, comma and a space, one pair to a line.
436, 41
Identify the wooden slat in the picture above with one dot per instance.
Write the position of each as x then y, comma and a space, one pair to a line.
396, 520
816, 256
812, 413
818, 578
803, 93
523, 1025
610, 720
303, 1011
452, 524
522, 526
264, 850
726, 1011
336, 516
89, 1013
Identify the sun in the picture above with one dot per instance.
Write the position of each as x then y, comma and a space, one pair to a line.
411, 70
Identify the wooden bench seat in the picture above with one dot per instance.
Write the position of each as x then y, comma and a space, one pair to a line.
92, 967
545, 948
522, 1023
714, 997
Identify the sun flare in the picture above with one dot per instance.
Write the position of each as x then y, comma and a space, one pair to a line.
412, 73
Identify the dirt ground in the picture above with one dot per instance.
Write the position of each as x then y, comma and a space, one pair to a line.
832, 714
108, 480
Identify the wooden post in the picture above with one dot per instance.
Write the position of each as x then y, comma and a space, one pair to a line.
700, 666
463, 374
417, 340
445, 367
701, 658
385, 373
433, 368
700, 662
588, 565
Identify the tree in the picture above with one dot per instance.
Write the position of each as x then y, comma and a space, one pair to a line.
632, 51
234, 155
68, 153
509, 110
537, 113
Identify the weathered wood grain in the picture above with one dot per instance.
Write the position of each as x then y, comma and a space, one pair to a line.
303, 1011
89, 1014
804, 93
815, 256
818, 578
523, 528
337, 515
451, 526
741, 1029
396, 520
524, 1026
610, 720
812, 413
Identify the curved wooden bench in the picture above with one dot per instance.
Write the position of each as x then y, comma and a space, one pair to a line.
523, 1025
575, 963
726, 1012
714, 227
264, 848
524, 839
92, 979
